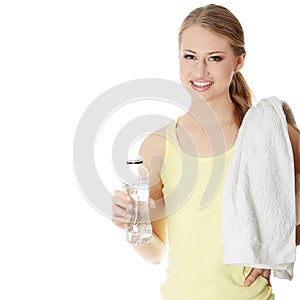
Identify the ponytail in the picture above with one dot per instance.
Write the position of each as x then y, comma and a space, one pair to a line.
240, 95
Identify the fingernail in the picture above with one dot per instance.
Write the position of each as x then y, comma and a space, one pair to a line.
247, 283
152, 203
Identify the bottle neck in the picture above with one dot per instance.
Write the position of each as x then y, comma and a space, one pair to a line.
140, 172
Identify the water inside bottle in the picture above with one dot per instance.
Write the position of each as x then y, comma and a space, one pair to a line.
139, 229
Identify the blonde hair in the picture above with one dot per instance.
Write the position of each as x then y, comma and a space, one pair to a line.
222, 22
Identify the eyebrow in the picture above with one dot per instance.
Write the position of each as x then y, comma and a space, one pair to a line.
209, 53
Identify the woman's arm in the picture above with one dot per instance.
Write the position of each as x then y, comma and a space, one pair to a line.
152, 151
295, 141
298, 235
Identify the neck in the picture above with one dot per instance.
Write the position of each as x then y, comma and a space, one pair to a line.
218, 112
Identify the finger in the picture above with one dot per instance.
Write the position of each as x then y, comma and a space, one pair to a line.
119, 221
267, 274
152, 203
252, 276
121, 195
118, 211
127, 205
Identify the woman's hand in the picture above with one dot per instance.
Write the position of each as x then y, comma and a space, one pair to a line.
121, 207
266, 273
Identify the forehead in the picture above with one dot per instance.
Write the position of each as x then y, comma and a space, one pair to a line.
199, 39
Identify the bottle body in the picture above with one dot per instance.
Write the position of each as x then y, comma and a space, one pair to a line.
138, 229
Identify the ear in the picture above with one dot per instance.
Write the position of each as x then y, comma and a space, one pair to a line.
240, 62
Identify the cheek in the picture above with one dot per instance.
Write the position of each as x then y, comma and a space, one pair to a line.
183, 70
181, 67
225, 73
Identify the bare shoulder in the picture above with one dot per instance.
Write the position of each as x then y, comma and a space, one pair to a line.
294, 135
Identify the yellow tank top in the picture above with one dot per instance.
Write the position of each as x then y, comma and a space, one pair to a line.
193, 192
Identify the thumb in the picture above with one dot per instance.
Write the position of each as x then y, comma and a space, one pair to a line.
152, 203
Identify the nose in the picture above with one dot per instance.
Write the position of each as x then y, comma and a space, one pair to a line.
200, 69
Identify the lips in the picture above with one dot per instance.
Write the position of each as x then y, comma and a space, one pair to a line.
201, 85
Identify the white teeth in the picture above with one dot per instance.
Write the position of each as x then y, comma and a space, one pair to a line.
202, 84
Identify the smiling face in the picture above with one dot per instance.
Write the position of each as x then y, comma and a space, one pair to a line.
207, 63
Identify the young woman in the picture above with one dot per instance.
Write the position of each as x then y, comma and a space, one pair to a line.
211, 54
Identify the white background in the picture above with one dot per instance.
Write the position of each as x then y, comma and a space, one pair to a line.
56, 58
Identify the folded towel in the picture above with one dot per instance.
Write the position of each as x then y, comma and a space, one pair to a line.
258, 204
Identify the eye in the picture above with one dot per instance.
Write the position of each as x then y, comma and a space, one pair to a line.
215, 58
190, 56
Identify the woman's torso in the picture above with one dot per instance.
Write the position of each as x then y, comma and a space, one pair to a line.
193, 197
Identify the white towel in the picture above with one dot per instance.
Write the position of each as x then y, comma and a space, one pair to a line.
258, 208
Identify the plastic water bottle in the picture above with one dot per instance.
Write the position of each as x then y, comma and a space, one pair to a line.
139, 229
